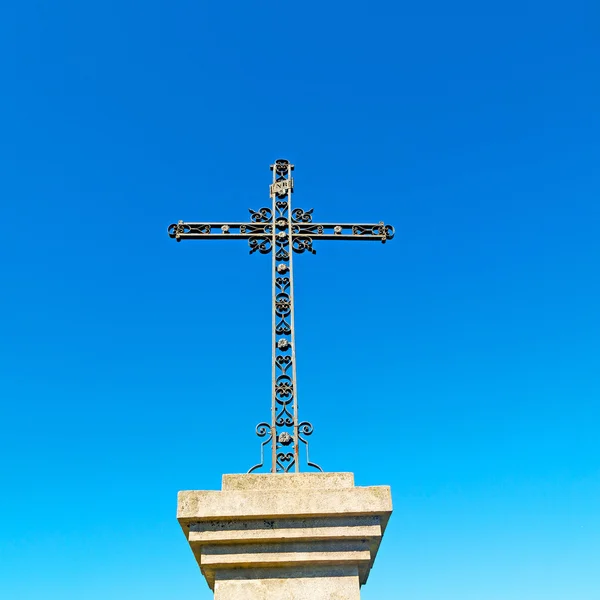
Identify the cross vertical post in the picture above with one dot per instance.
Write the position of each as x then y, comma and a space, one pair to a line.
285, 428
282, 231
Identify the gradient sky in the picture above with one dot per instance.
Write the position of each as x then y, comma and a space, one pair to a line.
458, 363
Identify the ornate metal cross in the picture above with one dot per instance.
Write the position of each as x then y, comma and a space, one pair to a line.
281, 231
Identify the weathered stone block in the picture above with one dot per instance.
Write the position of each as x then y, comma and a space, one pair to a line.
293, 536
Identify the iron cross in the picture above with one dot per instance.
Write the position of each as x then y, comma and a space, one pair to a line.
282, 231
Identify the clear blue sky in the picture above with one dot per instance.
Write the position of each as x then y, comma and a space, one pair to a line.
459, 363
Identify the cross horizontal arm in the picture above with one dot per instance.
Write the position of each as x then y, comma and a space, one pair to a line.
218, 231
343, 231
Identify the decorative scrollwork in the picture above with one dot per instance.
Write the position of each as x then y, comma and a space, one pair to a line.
379, 230
260, 244
262, 215
284, 387
285, 457
302, 216
282, 243
262, 429
283, 328
301, 245
316, 229
387, 230
281, 208
284, 418
176, 229
306, 428
282, 253
283, 304
257, 228
282, 284
283, 363
281, 166
362, 230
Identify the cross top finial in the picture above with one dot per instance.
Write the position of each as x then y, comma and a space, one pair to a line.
282, 166
282, 232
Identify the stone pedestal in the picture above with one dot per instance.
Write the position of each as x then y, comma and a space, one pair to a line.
300, 536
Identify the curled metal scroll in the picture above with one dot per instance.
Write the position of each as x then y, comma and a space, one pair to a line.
262, 215
259, 244
302, 216
303, 245
262, 429
306, 428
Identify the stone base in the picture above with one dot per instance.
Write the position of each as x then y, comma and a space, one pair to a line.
299, 536
339, 583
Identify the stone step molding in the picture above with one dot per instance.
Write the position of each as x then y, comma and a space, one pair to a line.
298, 536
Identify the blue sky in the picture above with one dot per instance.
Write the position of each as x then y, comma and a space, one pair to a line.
458, 363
